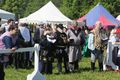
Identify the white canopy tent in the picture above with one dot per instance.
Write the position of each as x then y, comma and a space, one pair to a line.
6, 15
118, 18
48, 13
22, 20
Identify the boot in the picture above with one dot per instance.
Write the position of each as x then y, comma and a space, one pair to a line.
100, 66
92, 66
66, 67
59, 68
76, 66
71, 67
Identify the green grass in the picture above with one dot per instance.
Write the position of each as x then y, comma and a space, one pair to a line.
83, 74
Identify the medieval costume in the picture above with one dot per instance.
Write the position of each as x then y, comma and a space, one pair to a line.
95, 40
48, 48
38, 34
61, 52
76, 39
25, 40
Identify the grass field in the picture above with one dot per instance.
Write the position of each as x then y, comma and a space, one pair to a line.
83, 74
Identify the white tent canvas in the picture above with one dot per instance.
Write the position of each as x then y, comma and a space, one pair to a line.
22, 20
6, 15
118, 18
48, 13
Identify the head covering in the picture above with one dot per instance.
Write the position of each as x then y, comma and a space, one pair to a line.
60, 26
117, 31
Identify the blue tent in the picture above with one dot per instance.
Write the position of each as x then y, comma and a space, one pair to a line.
99, 13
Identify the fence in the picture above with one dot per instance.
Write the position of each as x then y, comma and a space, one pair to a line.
35, 75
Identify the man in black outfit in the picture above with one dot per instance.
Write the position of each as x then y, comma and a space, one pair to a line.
61, 52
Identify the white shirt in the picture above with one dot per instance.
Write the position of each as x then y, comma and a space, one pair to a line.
25, 33
91, 41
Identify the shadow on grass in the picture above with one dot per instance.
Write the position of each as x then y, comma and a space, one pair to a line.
85, 69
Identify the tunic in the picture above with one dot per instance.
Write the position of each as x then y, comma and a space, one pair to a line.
76, 37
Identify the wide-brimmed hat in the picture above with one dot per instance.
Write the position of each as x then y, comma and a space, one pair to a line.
60, 26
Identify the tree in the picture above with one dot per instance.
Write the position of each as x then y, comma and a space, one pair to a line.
33, 6
15, 6
75, 9
66, 8
71, 8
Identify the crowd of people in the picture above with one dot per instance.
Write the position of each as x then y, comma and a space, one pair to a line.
14, 37
57, 43
60, 43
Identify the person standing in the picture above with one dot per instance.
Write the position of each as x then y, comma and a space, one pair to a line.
95, 40
6, 42
5, 26
61, 45
47, 45
25, 40
38, 33
76, 39
117, 42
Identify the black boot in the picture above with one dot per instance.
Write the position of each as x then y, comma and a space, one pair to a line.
76, 66
59, 68
100, 66
66, 67
92, 66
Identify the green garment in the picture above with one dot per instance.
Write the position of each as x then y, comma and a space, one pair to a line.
85, 50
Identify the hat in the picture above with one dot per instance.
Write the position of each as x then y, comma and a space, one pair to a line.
117, 31
60, 26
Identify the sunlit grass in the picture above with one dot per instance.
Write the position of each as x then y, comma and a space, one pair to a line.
84, 73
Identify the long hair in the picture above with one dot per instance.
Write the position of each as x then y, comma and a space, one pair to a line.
97, 36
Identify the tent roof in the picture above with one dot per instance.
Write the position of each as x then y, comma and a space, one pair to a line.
5, 12
98, 13
48, 13
6, 15
81, 18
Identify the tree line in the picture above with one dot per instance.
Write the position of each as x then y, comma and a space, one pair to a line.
71, 8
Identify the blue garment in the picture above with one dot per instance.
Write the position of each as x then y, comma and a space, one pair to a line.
8, 42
